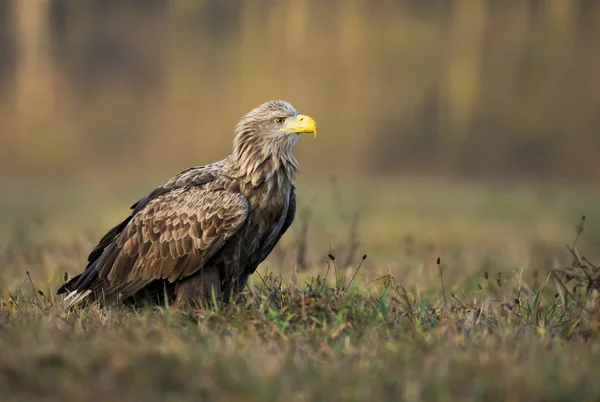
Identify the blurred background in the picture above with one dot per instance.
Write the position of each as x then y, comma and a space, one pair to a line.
462, 122
484, 88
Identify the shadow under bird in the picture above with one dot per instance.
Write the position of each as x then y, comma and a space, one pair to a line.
205, 231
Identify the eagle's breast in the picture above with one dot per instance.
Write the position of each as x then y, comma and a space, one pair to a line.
269, 205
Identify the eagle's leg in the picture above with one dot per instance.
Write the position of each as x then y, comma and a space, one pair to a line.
199, 291
233, 288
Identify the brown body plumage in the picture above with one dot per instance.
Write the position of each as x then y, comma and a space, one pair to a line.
206, 230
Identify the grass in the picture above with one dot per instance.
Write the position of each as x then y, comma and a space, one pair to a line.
512, 315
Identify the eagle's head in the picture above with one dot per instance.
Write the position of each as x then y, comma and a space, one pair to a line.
270, 131
275, 120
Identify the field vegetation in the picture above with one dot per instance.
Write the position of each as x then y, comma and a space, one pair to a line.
353, 305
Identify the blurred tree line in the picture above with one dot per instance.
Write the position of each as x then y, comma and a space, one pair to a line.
470, 88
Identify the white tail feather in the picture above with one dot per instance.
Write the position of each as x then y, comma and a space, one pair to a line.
75, 297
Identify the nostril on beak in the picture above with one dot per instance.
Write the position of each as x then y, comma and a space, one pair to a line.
301, 118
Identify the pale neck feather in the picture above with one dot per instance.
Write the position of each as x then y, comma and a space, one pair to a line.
264, 160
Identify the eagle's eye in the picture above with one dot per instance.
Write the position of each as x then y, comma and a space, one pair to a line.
279, 120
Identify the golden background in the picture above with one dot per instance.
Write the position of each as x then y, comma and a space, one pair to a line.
487, 89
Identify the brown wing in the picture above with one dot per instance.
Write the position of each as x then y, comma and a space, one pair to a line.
172, 237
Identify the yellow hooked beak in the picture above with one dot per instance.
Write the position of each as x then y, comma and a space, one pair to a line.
300, 124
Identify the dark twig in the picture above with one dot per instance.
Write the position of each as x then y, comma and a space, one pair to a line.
37, 300
12, 298
439, 264
579, 228
458, 300
264, 282
364, 257
564, 287
596, 268
332, 258
384, 277
45, 297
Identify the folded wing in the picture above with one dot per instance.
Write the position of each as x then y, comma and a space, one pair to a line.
171, 237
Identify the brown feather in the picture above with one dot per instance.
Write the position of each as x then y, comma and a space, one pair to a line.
158, 255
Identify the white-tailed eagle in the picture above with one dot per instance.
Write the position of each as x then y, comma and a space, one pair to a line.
205, 231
